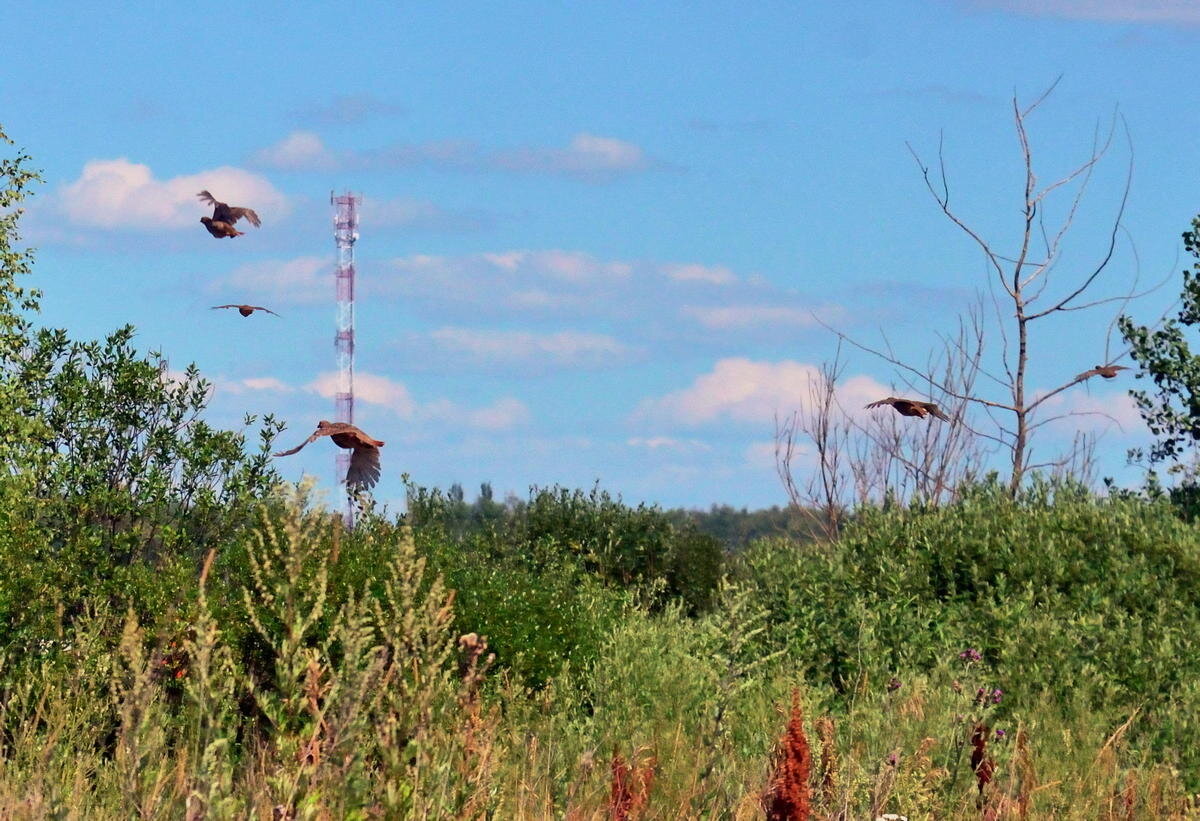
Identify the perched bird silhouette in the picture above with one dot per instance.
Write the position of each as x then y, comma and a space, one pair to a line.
1107, 371
245, 310
364, 464
911, 407
220, 224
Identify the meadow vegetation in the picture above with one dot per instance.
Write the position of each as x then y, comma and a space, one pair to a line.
183, 636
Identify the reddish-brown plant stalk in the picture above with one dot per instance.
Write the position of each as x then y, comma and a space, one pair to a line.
630, 791
789, 797
982, 763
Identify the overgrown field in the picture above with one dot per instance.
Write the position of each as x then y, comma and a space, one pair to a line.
181, 636
989, 659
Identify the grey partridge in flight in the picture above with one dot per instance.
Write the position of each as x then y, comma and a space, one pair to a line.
364, 464
911, 407
1106, 371
220, 224
245, 310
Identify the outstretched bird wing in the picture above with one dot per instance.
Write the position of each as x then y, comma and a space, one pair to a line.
1087, 375
935, 410
215, 307
223, 213
316, 435
364, 467
881, 402
261, 308
232, 215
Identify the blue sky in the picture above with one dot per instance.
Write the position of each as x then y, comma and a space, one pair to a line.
595, 235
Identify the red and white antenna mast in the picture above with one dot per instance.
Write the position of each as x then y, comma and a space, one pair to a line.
345, 234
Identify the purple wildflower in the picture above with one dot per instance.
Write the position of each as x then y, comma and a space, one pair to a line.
893, 685
997, 694
1000, 734
970, 655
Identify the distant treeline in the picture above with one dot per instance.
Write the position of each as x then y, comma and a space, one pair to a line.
733, 527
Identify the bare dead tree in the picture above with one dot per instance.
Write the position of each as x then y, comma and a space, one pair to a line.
824, 497
858, 458
1021, 281
927, 462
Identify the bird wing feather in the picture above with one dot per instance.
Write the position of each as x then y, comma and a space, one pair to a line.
316, 435
936, 411
236, 214
880, 403
1086, 375
364, 467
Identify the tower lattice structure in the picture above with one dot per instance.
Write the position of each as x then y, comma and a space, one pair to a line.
345, 233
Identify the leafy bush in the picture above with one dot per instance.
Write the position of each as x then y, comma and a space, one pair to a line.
1067, 595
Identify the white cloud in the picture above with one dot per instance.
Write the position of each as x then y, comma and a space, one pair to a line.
521, 280
504, 413
501, 414
564, 348
303, 280
668, 443
298, 151
587, 156
122, 194
1121, 11
253, 383
761, 455
747, 391
691, 272
1093, 412
369, 388
743, 316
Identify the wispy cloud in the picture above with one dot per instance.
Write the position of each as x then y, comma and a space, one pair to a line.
370, 388
406, 214
745, 390
498, 347
299, 281
744, 316
1081, 410
589, 157
668, 443
1118, 11
394, 396
298, 151
269, 384
119, 194
348, 109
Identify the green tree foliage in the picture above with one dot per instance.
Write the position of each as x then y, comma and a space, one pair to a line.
1172, 410
105, 462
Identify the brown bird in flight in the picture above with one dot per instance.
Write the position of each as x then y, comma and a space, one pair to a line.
245, 310
1107, 371
364, 464
911, 407
220, 224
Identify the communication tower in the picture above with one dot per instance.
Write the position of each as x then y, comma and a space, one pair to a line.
345, 234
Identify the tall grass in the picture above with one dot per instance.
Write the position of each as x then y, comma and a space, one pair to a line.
325, 689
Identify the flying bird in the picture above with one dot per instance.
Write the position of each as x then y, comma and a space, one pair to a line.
220, 224
245, 310
911, 407
1106, 371
364, 464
